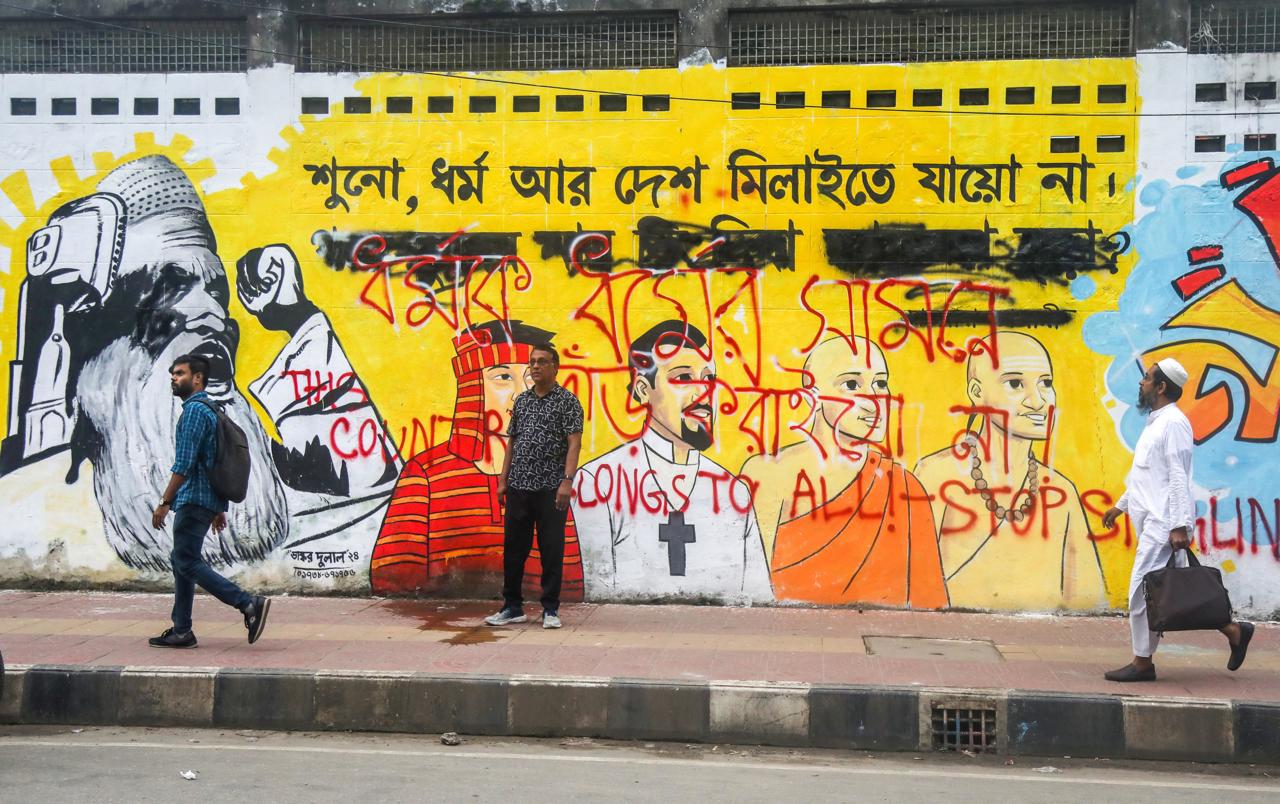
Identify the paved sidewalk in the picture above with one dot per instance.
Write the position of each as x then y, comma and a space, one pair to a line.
875, 680
1060, 654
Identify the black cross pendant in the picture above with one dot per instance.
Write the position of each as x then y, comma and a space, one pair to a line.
675, 534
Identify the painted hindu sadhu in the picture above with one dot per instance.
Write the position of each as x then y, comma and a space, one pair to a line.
443, 529
1001, 511
842, 521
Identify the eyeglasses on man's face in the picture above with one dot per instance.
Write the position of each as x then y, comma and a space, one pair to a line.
541, 361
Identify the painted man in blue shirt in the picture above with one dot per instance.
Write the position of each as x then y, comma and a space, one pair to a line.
197, 507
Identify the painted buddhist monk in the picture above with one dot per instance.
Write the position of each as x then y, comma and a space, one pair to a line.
842, 522
1011, 529
443, 529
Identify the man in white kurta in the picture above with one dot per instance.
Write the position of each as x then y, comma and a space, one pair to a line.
651, 527
1157, 498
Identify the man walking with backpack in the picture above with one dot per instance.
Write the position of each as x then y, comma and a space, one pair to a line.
198, 506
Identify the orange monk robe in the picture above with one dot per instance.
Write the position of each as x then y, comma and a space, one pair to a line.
874, 543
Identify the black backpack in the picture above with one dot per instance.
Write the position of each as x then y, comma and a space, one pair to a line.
230, 473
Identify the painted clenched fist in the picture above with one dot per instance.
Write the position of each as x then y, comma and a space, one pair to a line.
269, 284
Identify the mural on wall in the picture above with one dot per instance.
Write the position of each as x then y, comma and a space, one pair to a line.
843, 522
119, 284
658, 517
443, 528
827, 356
1001, 507
1210, 295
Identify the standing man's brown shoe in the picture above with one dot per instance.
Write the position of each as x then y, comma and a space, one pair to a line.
1131, 673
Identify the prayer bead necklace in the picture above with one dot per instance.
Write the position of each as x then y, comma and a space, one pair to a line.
1031, 483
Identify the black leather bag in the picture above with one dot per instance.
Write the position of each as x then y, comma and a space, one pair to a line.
1190, 598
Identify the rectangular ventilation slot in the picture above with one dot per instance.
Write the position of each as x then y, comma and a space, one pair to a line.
956, 729
22, 107
570, 103
439, 104
357, 105
745, 100
1064, 145
1259, 142
186, 106
1111, 144
1211, 93
1020, 96
882, 98
655, 103
399, 104
1209, 144
315, 105
926, 97
789, 100
64, 107
226, 106
837, 99
1065, 95
526, 103
975, 97
613, 103
1259, 90
482, 104
1113, 93
146, 107
104, 106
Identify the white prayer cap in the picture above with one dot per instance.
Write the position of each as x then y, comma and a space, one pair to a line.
1173, 370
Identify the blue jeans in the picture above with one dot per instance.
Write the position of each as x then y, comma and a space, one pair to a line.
190, 524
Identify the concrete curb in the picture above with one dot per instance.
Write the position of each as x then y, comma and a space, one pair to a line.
786, 714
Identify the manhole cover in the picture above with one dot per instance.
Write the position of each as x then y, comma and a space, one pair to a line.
963, 650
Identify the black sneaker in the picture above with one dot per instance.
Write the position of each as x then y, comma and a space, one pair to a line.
255, 617
172, 639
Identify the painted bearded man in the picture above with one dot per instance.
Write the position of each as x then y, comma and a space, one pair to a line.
444, 528
656, 517
119, 284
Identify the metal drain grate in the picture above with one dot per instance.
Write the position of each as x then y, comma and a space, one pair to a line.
958, 729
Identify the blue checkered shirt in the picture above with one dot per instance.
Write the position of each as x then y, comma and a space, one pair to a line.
197, 443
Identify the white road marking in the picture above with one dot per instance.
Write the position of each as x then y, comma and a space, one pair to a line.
617, 760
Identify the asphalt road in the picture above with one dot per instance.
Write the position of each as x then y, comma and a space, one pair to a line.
59, 764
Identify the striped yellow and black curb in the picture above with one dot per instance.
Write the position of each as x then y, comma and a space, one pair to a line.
784, 714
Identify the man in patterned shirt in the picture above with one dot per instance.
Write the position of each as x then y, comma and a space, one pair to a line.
443, 531
536, 482
198, 507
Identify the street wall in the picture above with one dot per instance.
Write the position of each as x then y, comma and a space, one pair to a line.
793, 330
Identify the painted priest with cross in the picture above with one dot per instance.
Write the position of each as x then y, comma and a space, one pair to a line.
657, 518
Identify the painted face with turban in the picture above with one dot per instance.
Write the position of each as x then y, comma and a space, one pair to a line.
491, 367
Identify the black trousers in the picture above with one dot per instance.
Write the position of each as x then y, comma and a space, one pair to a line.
527, 511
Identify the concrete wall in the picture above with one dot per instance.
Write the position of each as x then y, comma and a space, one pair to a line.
845, 305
